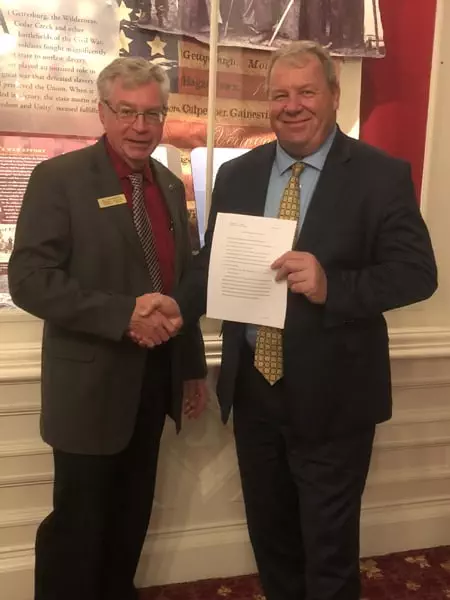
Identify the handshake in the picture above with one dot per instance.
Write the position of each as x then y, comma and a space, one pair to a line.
156, 318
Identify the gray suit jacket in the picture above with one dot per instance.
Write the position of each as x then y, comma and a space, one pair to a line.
80, 268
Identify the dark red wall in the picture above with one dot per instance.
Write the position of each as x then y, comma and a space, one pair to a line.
395, 90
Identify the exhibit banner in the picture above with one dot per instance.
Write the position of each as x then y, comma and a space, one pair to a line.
241, 107
50, 55
346, 27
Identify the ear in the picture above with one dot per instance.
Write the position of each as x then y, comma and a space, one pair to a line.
336, 97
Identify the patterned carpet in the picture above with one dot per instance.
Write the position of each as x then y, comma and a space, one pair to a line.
415, 575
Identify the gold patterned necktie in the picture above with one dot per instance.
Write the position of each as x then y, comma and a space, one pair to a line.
269, 340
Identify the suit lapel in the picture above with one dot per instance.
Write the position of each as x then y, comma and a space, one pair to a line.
173, 200
258, 181
106, 183
328, 194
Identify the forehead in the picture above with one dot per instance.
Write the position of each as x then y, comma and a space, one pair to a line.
142, 95
297, 72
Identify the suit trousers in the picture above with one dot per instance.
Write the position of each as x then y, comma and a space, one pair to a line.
302, 497
88, 548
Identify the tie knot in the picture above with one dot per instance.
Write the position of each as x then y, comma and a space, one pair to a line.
297, 169
136, 179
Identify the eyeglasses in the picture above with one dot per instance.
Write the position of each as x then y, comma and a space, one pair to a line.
129, 115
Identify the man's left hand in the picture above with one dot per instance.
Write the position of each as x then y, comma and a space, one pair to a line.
304, 275
195, 397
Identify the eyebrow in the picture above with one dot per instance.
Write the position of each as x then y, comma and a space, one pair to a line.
299, 88
134, 107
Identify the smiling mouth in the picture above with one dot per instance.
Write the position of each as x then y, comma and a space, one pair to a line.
139, 142
302, 122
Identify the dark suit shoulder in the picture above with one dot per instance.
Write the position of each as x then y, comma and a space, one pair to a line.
375, 158
64, 164
254, 157
162, 171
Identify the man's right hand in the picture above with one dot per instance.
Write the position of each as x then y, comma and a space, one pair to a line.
155, 319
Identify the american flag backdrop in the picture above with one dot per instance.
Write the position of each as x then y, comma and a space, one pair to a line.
241, 112
241, 107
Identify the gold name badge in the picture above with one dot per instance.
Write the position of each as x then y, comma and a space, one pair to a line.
112, 201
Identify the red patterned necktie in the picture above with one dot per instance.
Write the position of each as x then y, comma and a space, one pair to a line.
144, 230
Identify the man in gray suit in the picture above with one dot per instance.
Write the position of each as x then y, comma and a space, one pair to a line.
100, 228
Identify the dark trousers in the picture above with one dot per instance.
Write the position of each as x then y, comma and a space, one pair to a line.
88, 548
302, 498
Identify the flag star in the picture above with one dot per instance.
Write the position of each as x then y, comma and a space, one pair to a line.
124, 41
123, 12
157, 46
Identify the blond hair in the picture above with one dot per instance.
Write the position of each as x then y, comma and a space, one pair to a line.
296, 53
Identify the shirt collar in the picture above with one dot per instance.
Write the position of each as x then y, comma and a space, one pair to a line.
122, 169
284, 161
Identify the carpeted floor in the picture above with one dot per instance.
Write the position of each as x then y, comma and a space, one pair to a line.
418, 575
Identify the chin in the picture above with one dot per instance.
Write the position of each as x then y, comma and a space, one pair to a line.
139, 154
294, 142
136, 160
294, 134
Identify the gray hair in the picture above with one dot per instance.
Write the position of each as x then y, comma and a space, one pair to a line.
296, 53
132, 72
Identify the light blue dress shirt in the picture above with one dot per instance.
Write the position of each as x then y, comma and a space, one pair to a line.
279, 177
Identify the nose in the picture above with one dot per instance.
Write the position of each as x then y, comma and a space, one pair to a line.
140, 123
293, 103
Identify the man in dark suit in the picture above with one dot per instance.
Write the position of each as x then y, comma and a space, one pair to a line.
100, 228
304, 425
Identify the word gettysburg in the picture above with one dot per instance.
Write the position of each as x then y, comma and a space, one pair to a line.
49, 17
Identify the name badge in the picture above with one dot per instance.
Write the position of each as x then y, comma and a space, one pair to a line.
112, 201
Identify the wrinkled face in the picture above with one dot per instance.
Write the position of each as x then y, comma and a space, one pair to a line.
133, 139
302, 105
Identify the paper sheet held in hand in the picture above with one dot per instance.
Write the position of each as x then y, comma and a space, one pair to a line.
241, 284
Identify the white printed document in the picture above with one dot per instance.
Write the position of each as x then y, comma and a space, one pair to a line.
241, 284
